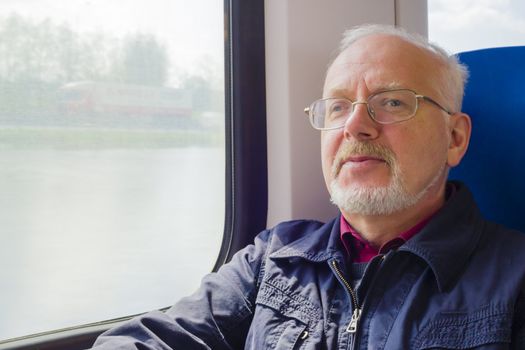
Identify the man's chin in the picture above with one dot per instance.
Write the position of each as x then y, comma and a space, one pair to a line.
359, 185
370, 199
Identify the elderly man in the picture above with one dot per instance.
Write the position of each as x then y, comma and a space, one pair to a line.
409, 263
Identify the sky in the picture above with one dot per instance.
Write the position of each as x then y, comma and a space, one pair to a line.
190, 30
465, 25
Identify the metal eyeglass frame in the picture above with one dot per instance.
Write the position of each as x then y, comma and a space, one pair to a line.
308, 109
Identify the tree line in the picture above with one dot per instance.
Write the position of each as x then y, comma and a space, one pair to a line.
37, 57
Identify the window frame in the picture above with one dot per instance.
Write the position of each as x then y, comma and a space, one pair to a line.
246, 137
246, 181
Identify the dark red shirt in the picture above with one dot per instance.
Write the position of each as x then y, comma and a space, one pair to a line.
361, 251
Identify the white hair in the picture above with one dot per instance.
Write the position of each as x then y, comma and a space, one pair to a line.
453, 76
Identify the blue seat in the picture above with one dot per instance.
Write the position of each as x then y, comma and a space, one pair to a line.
494, 166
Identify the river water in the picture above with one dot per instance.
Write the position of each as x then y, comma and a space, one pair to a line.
88, 235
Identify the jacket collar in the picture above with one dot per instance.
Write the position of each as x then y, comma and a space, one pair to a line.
318, 245
450, 238
445, 243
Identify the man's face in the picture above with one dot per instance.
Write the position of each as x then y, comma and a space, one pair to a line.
389, 166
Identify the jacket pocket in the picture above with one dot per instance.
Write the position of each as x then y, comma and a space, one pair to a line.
283, 320
290, 335
467, 331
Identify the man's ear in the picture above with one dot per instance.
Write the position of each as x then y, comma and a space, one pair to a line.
460, 127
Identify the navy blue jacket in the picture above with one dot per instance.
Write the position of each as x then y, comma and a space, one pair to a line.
458, 284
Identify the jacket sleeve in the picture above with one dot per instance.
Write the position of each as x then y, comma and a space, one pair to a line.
518, 329
216, 316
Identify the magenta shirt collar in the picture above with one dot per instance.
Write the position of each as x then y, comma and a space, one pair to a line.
362, 251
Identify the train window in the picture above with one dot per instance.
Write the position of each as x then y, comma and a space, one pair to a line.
472, 24
112, 157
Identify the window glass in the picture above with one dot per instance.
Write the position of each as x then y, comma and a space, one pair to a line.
467, 25
111, 157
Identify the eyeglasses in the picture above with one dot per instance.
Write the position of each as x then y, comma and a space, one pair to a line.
384, 107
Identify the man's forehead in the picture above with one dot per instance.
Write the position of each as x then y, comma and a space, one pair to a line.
341, 90
382, 62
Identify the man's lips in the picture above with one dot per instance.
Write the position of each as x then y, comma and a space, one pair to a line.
360, 162
359, 159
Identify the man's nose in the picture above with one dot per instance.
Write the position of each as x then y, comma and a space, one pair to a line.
359, 124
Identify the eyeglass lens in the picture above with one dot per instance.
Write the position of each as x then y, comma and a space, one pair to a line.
384, 107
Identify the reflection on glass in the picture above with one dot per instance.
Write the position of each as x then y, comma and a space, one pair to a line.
111, 158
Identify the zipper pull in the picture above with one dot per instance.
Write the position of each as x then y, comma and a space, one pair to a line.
352, 326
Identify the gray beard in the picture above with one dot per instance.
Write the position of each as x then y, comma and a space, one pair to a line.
379, 200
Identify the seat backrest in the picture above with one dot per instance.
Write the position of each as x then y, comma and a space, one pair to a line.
494, 166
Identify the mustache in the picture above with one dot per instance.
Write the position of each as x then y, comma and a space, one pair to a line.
361, 149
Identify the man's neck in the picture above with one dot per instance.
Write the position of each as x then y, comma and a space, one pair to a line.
379, 229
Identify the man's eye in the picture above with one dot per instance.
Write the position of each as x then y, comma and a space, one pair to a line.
337, 108
392, 103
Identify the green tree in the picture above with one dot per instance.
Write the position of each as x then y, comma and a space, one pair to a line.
39, 57
144, 61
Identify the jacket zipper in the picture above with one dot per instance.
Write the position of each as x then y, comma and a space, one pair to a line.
356, 314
